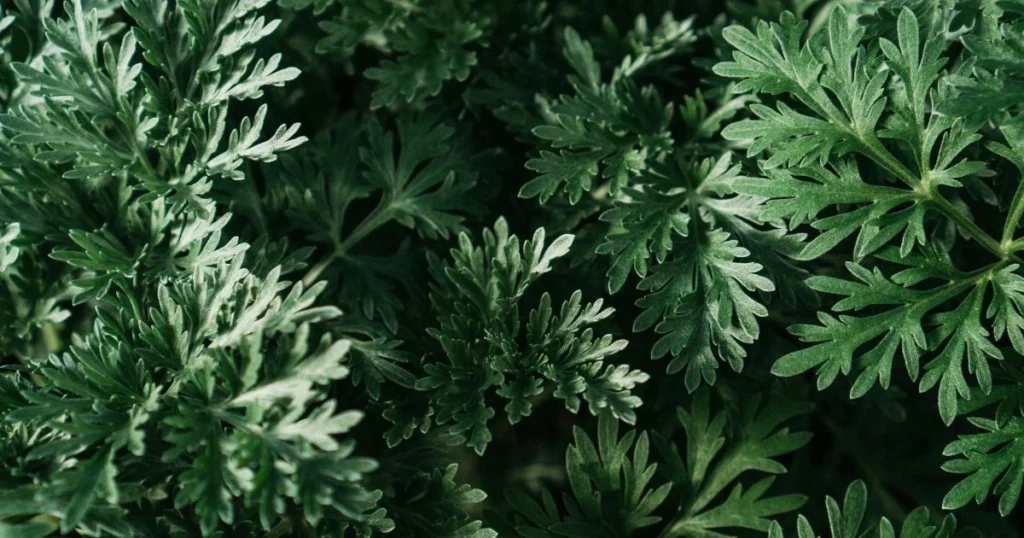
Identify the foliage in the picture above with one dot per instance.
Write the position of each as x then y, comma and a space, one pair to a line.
355, 268
847, 520
611, 490
477, 300
182, 387
667, 204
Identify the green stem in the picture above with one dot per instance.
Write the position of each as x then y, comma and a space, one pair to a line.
51, 338
1013, 218
274, 443
140, 154
315, 271
1015, 246
877, 152
971, 228
129, 293
380, 216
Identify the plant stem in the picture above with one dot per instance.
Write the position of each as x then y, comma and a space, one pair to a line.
872, 148
380, 216
971, 228
877, 152
1015, 246
129, 294
316, 270
1014, 216
51, 338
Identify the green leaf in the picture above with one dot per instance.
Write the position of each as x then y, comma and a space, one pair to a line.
609, 132
97, 478
704, 301
847, 520
477, 297
611, 491
993, 462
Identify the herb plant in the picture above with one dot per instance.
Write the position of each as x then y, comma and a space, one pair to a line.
535, 269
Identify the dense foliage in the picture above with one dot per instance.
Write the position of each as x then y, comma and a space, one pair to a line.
535, 269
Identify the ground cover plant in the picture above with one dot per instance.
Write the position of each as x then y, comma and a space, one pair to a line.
534, 269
